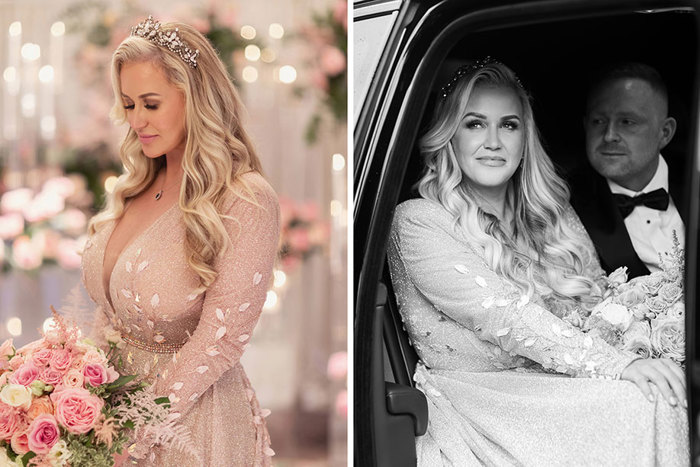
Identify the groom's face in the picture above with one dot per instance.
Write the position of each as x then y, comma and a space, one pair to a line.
626, 127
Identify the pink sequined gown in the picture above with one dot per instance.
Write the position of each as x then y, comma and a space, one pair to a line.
150, 301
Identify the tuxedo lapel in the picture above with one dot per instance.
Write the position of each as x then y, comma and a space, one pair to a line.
594, 203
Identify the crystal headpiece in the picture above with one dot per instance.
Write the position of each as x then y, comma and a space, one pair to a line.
470, 68
150, 29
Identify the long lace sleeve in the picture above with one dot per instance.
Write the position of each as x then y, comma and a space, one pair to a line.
232, 304
443, 267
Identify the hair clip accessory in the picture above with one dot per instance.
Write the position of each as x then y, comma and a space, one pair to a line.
467, 69
150, 29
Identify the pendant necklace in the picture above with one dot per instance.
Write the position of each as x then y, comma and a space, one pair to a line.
159, 195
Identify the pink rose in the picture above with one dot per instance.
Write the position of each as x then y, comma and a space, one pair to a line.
631, 297
25, 254
11, 225
41, 357
340, 13
95, 374
332, 60
10, 420
43, 433
51, 376
73, 379
60, 360
16, 362
6, 349
93, 356
25, 374
78, 363
20, 442
76, 409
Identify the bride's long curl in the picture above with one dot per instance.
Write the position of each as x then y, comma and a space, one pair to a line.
540, 256
217, 152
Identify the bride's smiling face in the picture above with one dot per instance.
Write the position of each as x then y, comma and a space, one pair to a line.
489, 141
155, 109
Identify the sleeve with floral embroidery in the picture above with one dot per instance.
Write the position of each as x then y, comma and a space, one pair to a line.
445, 269
232, 304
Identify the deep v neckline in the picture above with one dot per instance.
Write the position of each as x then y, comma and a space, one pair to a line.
107, 286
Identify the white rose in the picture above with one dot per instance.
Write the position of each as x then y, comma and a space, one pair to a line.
668, 339
618, 277
637, 329
5, 461
16, 395
113, 336
641, 345
677, 311
619, 316
59, 453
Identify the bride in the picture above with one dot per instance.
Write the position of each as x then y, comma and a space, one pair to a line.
180, 259
484, 266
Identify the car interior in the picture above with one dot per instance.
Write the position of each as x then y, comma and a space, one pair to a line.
555, 61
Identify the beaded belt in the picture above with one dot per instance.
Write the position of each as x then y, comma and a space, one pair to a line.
154, 347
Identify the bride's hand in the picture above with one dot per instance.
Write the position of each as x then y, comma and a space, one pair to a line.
664, 373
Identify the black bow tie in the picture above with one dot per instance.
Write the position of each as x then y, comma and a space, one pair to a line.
657, 199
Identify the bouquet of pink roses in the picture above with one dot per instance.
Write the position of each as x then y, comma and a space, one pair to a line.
647, 314
62, 403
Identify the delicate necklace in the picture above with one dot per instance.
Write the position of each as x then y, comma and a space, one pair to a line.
159, 195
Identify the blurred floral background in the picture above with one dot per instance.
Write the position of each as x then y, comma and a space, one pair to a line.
58, 160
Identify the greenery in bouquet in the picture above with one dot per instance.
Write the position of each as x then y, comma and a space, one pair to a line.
44, 226
302, 234
328, 71
645, 315
63, 403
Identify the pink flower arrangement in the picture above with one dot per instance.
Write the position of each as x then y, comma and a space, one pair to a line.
326, 40
62, 402
41, 226
303, 232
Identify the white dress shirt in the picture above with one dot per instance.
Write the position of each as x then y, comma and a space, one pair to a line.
650, 229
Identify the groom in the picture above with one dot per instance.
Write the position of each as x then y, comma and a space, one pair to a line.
624, 201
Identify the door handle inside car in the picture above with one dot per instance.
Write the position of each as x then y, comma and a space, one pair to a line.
405, 400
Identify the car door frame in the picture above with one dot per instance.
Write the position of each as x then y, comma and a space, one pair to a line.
386, 129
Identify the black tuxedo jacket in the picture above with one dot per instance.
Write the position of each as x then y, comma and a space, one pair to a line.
593, 202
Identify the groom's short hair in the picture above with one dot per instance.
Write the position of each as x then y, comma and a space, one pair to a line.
629, 70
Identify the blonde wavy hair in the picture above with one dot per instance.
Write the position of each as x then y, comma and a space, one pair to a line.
541, 254
217, 152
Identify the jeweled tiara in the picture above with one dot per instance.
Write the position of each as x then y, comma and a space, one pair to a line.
150, 29
468, 69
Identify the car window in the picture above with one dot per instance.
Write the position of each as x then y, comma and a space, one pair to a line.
372, 24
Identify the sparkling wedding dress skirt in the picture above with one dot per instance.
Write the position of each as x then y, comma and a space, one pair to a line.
507, 381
